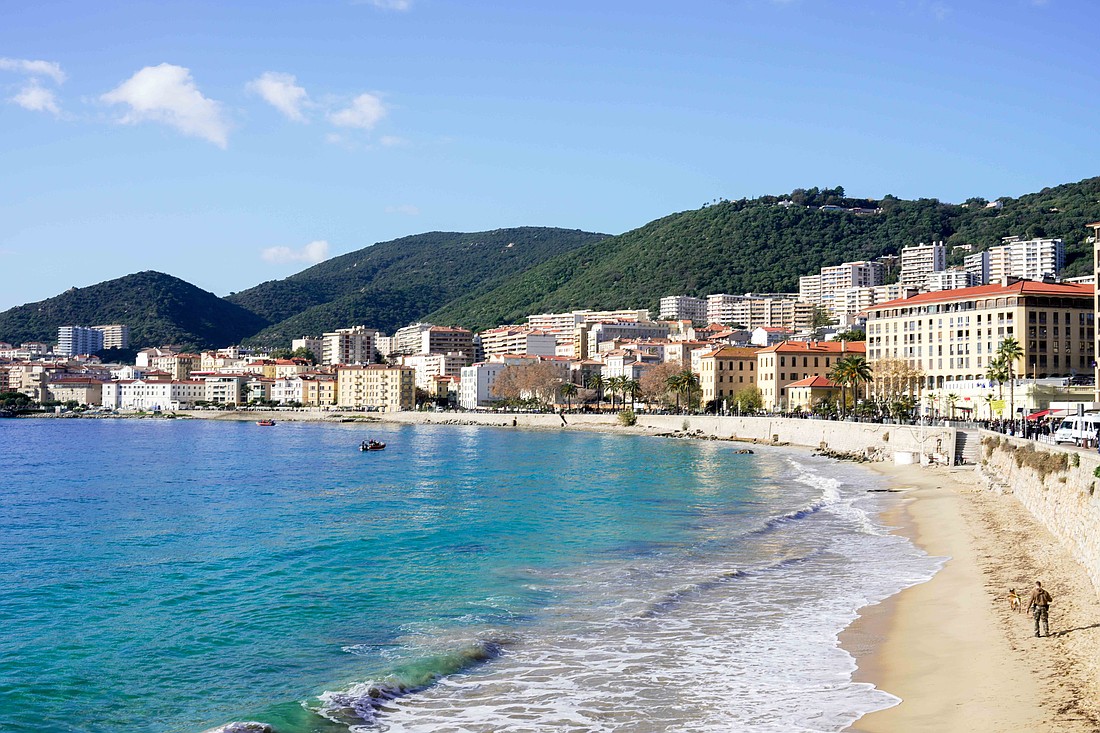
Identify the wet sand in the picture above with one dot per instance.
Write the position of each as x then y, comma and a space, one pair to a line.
951, 649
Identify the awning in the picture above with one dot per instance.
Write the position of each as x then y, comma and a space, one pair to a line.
1038, 415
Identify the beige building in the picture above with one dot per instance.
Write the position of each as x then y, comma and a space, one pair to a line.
82, 390
779, 365
318, 390
725, 371
377, 387
806, 394
952, 335
348, 346
518, 340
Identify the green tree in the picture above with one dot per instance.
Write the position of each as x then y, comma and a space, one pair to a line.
632, 387
683, 382
748, 400
597, 382
569, 391
1011, 350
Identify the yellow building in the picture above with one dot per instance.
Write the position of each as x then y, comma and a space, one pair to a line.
791, 361
806, 394
952, 335
376, 387
725, 371
318, 390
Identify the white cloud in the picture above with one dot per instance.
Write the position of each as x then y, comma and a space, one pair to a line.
167, 94
400, 5
364, 112
51, 69
392, 141
312, 253
282, 92
36, 98
406, 209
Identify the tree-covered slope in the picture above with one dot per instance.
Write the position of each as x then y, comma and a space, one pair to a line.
763, 246
158, 308
392, 284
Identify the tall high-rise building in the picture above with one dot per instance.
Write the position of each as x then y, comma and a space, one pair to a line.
348, 346
115, 336
1026, 259
74, 340
921, 260
683, 308
978, 263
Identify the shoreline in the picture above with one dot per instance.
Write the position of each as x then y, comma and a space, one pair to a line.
950, 648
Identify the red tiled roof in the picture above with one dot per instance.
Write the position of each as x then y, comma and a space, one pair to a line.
816, 347
1023, 287
815, 382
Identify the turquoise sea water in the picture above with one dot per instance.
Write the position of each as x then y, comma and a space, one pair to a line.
179, 575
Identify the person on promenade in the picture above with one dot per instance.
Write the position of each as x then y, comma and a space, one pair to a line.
1039, 605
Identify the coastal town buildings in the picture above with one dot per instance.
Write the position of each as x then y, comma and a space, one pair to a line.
1030, 259
81, 390
348, 346
920, 261
782, 364
978, 265
951, 335
949, 280
807, 394
518, 340
315, 346
73, 340
683, 308
376, 387
429, 366
725, 371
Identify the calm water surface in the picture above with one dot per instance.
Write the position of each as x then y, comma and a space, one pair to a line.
179, 575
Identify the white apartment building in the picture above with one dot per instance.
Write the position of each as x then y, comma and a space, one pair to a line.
285, 390
310, 344
429, 366
518, 340
920, 261
683, 308
73, 340
408, 340
809, 288
978, 264
348, 346
720, 307
950, 280
564, 324
1026, 259
863, 274
152, 395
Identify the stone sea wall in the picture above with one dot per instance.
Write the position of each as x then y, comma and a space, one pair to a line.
1057, 485
875, 441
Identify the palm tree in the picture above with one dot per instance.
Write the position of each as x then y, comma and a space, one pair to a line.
1010, 350
952, 398
615, 385
596, 382
998, 373
632, 387
851, 371
683, 382
569, 391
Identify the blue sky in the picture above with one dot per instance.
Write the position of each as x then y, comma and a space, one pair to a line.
232, 143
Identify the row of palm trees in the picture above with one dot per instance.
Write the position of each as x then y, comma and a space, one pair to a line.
608, 385
1001, 369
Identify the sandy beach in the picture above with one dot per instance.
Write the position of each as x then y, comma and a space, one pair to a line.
951, 649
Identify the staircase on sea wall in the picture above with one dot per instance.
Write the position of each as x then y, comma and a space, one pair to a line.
967, 444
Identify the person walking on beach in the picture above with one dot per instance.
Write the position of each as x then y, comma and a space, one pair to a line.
1039, 605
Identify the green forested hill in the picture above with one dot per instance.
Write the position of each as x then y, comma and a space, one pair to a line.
392, 284
760, 245
158, 308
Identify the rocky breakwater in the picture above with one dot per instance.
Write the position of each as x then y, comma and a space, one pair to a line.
1059, 486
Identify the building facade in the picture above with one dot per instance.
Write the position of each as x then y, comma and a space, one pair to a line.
1029, 259
791, 361
952, 335
376, 387
724, 372
348, 346
683, 308
920, 261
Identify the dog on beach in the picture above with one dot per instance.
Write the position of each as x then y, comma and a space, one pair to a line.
1015, 603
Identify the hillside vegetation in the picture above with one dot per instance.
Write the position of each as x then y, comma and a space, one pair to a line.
158, 308
392, 284
760, 245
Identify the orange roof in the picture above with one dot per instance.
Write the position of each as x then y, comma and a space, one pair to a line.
816, 347
1023, 287
744, 352
815, 382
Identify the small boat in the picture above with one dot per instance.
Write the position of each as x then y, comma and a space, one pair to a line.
367, 445
265, 423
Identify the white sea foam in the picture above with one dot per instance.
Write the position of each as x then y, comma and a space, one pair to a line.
745, 639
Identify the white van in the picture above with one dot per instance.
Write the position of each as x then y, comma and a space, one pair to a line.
1076, 428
